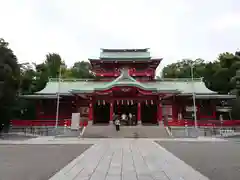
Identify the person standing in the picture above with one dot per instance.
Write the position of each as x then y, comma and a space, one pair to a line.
130, 116
117, 124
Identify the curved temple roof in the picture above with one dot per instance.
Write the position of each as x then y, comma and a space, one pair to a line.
84, 86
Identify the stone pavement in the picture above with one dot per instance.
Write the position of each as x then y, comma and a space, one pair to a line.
127, 159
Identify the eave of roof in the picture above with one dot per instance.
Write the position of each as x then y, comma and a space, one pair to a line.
209, 96
38, 96
125, 50
183, 86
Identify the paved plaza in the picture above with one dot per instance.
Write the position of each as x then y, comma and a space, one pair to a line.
130, 159
216, 160
36, 162
127, 159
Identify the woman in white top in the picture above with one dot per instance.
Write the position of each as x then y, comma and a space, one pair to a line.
117, 124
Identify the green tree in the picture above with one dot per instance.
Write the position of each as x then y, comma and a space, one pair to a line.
9, 81
218, 75
81, 69
27, 79
182, 69
53, 63
223, 78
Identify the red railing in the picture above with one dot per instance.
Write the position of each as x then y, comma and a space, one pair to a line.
201, 123
67, 122
29, 123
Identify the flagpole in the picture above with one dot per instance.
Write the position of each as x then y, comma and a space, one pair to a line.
194, 98
58, 98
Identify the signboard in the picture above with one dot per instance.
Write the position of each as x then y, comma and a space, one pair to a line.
223, 108
190, 108
75, 121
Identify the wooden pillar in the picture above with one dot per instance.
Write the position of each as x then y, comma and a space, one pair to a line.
139, 113
38, 110
90, 113
174, 111
198, 109
111, 112
214, 115
159, 112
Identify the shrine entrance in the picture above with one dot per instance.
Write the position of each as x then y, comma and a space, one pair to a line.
122, 107
149, 114
101, 113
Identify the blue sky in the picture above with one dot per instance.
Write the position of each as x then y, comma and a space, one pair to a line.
77, 29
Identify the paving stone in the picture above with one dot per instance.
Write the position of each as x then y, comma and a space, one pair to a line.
129, 175
145, 177
113, 177
131, 159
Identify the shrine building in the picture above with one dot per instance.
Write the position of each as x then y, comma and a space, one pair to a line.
126, 84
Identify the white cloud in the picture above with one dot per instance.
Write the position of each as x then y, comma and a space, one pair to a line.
77, 29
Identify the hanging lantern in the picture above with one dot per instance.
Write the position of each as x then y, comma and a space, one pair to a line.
122, 102
128, 102
98, 103
103, 102
132, 102
146, 102
117, 102
151, 102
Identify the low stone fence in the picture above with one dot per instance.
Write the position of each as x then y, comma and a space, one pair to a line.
190, 131
38, 130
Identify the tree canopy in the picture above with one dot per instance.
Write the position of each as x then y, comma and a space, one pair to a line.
9, 81
218, 75
35, 76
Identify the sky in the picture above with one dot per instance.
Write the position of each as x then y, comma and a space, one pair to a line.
77, 29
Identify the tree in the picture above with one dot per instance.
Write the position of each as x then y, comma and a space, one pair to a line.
223, 78
217, 75
9, 81
53, 63
182, 69
27, 79
81, 69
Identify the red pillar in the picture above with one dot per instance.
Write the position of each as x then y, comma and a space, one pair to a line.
198, 109
38, 109
139, 113
160, 112
174, 111
214, 116
90, 112
111, 111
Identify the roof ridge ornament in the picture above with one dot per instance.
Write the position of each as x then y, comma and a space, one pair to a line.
125, 75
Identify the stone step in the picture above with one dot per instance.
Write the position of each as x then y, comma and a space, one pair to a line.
125, 132
69, 133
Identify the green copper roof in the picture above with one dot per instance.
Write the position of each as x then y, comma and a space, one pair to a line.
125, 55
85, 86
125, 80
125, 50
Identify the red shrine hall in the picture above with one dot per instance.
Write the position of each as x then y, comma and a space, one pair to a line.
126, 84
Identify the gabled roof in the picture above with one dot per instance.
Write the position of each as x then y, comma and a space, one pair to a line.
185, 86
125, 55
125, 80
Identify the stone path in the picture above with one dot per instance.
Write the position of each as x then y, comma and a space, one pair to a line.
127, 159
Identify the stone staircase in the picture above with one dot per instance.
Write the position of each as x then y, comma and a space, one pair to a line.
125, 132
69, 133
